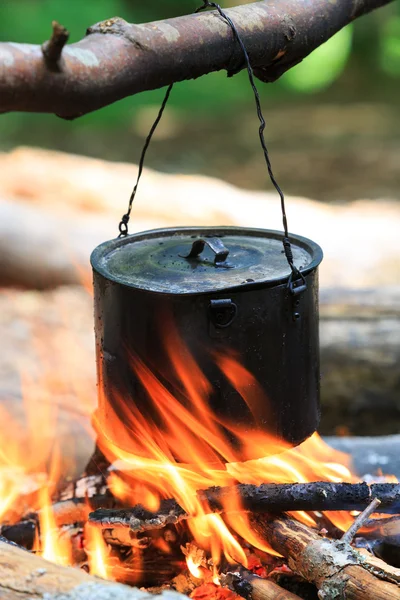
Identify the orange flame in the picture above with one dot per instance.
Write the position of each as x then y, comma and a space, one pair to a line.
188, 453
53, 546
97, 552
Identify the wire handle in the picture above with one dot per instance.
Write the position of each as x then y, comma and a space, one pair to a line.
287, 248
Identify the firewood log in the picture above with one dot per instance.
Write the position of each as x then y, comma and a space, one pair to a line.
66, 513
25, 576
273, 497
338, 571
251, 587
85, 198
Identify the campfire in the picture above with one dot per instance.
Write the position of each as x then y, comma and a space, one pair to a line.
170, 512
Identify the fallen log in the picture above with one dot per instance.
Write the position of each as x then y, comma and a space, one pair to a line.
251, 587
43, 193
66, 514
360, 353
339, 571
272, 497
26, 576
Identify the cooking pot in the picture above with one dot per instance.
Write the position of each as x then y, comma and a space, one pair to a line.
213, 294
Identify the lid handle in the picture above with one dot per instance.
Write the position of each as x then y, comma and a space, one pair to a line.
216, 245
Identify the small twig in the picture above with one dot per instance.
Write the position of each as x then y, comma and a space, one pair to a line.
359, 521
52, 49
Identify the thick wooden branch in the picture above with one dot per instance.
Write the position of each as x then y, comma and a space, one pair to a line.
338, 571
271, 497
117, 59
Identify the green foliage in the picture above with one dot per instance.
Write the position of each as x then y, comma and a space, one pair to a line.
390, 46
321, 68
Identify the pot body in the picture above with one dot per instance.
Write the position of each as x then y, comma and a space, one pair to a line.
251, 352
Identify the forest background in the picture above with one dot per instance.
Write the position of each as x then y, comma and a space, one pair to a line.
333, 122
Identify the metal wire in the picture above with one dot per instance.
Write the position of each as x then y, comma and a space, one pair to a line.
123, 225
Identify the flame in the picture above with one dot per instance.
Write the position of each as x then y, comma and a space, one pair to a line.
194, 568
97, 552
175, 455
189, 452
53, 546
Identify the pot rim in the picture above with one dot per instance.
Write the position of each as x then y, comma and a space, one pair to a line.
219, 231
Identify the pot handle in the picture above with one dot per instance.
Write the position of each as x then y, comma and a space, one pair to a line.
220, 251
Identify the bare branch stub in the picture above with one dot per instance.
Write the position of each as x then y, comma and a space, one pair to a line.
52, 49
360, 520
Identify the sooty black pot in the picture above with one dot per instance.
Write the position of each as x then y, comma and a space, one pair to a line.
222, 293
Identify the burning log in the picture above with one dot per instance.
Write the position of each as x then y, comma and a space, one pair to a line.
337, 569
76, 510
271, 497
251, 587
24, 576
148, 559
66, 514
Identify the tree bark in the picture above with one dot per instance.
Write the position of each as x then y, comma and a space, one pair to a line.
117, 59
338, 571
251, 587
273, 497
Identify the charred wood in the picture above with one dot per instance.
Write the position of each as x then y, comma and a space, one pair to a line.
148, 568
271, 497
149, 560
251, 587
25, 533
22, 534
68, 514
295, 584
84, 487
76, 510
4, 540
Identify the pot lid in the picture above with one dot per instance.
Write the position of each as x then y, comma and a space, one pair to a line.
188, 260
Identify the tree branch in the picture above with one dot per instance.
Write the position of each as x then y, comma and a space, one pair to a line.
117, 59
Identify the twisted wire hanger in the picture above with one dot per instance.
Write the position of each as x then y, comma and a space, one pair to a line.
123, 225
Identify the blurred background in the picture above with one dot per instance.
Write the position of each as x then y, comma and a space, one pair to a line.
333, 122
